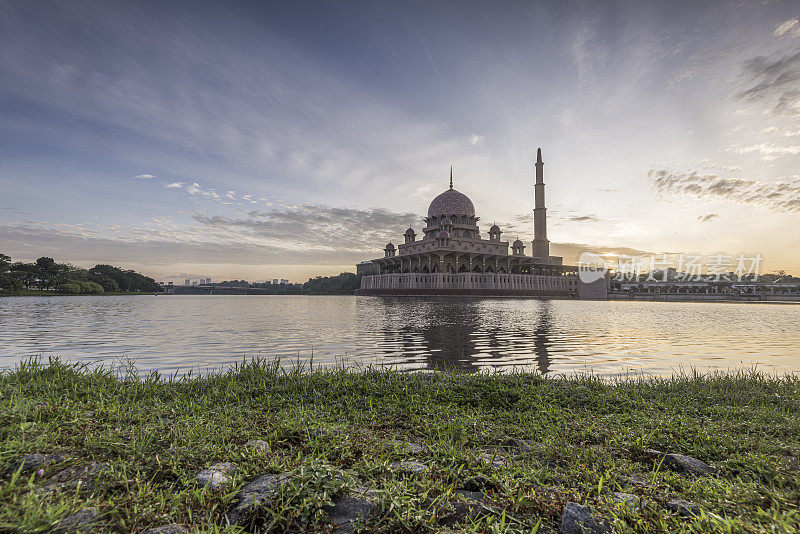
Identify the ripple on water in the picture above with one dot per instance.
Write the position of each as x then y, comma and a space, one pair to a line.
172, 333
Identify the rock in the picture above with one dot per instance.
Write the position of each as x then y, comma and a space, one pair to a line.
578, 519
69, 474
406, 446
523, 447
258, 446
684, 508
410, 466
259, 491
467, 509
77, 476
166, 529
628, 499
478, 483
681, 463
84, 520
495, 460
365, 493
635, 480
216, 475
346, 511
32, 462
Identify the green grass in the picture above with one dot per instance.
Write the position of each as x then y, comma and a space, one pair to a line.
45, 293
328, 428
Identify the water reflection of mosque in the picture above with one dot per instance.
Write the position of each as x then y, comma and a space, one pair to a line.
465, 335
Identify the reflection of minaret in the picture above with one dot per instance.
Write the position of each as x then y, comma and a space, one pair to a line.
541, 246
541, 341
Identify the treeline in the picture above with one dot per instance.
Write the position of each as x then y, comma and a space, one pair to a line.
345, 283
48, 275
341, 284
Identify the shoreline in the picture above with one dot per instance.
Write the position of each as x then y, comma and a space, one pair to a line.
424, 452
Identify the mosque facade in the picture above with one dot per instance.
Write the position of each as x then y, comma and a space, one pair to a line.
451, 258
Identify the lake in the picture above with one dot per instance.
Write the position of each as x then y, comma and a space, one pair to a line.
173, 333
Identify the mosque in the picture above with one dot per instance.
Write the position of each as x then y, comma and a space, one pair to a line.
452, 259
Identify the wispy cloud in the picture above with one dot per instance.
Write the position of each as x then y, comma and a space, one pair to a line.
708, 217
789, 28
779, 196
145, 176
773, 80
318, 227
584, 218
768, 151
195, 189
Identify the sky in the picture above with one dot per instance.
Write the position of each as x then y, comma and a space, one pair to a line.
260, 140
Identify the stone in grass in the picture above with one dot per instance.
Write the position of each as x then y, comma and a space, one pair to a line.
32, 462
84, 520
257, 492
410, 467
166, 529
681, 463
77, 476
258, 446
346, 511
406, 446
467, 508
216, 476
478, 483
494, 459
578, 519
626, 499
635, 480
684, 508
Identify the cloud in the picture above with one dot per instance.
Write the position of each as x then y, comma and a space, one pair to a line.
145, 176
768, 151
789, 28
773, 80
29, 242
195, 189
584, 218
477, 140
572, 251
782, 196
318, 227
707, 218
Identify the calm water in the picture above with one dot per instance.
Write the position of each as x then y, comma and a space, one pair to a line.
178, 333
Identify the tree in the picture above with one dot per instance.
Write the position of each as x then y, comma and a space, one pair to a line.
5, 262
27, 273
48, 271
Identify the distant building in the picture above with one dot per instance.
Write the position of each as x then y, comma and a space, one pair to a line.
187, 282
284, 282
275, 281
194, 283
451, 258
208, 280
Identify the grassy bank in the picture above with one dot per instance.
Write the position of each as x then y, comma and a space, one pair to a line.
43, 293
131, 449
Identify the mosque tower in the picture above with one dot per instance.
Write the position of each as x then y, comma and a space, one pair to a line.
541, 246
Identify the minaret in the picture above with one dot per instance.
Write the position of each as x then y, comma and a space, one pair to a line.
451, 177
541, 246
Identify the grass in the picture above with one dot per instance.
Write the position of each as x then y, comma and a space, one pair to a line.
328, 430
46, 293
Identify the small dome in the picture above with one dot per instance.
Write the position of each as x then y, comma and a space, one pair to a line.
443, 233
518, 243
410, 231
451, 202
390, 246
446, 222
494, 229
